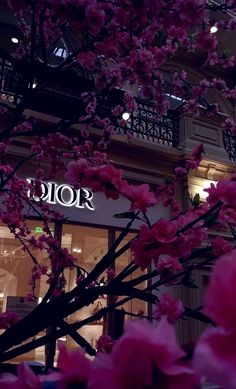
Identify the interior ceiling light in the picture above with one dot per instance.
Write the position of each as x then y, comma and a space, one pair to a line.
14, 40
126, 116
77, 250
213, 29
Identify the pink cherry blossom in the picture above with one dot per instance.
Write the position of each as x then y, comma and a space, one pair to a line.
74, 366
206, 41
190, 11
215, 358
105, 344
192, 107
220, 295
221, 246
180, 171
224, 190
95, 18
168, 266
130, 103
111, 179
140, 196
126, 45
164, 231
8, 319
143, 356
170, 307
153, 242
213, 58
229, 125
74, 171
140, 247
117, 110
87, 60
197, 153
110, 274
25, 379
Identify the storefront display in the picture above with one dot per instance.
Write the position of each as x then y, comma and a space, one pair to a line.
87, 244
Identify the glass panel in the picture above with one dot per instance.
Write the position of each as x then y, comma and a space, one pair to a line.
88, 245
15, 273
134, 306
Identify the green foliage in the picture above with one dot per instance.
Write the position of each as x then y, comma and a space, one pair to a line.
195, 201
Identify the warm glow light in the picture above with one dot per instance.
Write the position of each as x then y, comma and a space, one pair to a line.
14, 40
77, 250
213, 29
126, 116
198, 188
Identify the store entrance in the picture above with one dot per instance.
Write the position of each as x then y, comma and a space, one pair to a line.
88, 245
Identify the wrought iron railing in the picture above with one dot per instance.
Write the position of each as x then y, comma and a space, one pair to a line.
145, 125
230, 144
224, 6
12, 84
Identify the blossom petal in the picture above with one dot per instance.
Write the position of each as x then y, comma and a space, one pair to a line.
220, 295
215, 357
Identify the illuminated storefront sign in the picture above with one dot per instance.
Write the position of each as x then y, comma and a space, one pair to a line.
64, 194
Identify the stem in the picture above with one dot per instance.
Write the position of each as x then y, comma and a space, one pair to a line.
33, 33
43, 316
62, 332
4, 182
130, 268
51, 287
42, 37
137, 315
202, 217
104, 263
25, 246
79, 339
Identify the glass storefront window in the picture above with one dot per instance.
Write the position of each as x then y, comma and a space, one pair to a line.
15, 273
88, 245
134, 306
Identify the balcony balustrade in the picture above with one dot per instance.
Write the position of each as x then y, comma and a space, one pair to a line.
230, 144
142, 125
145, 125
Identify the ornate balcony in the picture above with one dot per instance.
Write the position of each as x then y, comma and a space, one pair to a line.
230, 145
144, 125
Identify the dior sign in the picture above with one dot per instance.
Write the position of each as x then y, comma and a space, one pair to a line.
64, 194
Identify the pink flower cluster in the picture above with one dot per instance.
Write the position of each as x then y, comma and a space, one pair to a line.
8, 319
108, 179
145, 356
215, 351
170, 307
224, 191
164, 244
104, 37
